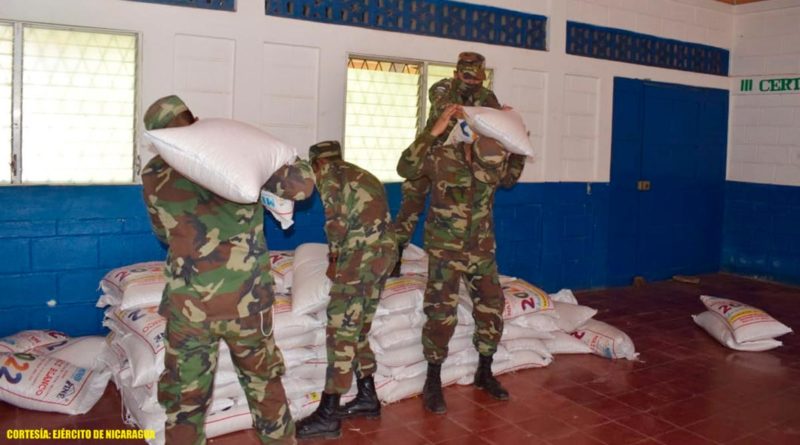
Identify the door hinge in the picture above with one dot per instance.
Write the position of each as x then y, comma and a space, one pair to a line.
14, 165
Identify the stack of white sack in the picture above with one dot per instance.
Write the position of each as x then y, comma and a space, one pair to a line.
48, 371
739, 326
394, 337
579, 333
533, 330
136, 345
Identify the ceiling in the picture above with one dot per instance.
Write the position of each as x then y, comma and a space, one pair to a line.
740, 2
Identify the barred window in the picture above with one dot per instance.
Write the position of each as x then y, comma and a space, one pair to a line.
385, 107
70, 97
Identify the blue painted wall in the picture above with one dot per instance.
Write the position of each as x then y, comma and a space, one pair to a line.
58, 242
761, 234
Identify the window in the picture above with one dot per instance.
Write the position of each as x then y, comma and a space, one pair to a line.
386, 106
67, 105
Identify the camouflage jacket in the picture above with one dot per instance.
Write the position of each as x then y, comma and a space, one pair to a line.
217, 264
462, 193
442, 93
356, 210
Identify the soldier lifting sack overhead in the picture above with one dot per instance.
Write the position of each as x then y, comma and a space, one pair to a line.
459, 239
464, 88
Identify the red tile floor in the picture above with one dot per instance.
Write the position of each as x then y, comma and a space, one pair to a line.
687, 389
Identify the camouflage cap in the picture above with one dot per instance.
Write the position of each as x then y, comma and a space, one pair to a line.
161, 113
325, 150
472, 65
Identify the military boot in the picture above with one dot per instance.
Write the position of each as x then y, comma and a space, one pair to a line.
396, 271
485, 380
432, 395
366, 403
323, 422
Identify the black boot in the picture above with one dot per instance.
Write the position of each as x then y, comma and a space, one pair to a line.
366, 403
323, 422
396, 271
485, 380
432, 395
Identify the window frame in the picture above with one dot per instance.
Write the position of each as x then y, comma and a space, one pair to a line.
424, 105
17, 105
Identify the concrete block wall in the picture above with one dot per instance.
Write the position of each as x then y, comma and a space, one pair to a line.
762, 198
57, 243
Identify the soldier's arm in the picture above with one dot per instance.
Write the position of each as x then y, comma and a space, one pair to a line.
513, 170
439, 98
335, 212
293, 181
149, 185
411, 163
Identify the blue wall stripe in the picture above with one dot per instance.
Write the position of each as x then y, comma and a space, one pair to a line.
556, 235
761, 231
643, 49
220, 5
435, 18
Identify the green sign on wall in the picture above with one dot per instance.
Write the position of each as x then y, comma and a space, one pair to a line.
790, 84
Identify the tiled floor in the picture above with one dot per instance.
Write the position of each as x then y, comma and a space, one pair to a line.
687, 389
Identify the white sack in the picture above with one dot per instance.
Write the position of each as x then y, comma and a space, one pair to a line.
572, 316
522, 298
310, 285
564, 296
402, 294
281, 264
286, 323
141, 336
606, 340
504, 125
230, 158
24, 341
133, 286
50, 384
414, 260
716, 326
563, 343
280, 208
83, 352
513, 332
747, 323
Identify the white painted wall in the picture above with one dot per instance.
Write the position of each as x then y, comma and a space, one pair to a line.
288, 76
764, 135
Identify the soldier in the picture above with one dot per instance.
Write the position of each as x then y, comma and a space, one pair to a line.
459, 239
219, 286
362, 252
464, 88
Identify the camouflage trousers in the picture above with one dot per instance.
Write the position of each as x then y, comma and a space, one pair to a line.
190, 359
445, 271
411, 205
355, 294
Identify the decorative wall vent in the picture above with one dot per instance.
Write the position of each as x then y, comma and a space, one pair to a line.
643, 49
220, 5
435, 18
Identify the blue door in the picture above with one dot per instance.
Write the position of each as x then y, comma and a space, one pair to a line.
669, 144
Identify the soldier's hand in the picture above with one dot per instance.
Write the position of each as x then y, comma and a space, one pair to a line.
443, 121
331, 271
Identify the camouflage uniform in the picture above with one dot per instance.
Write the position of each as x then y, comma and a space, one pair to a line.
360, 237
440, 95
219, 286
459, 237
